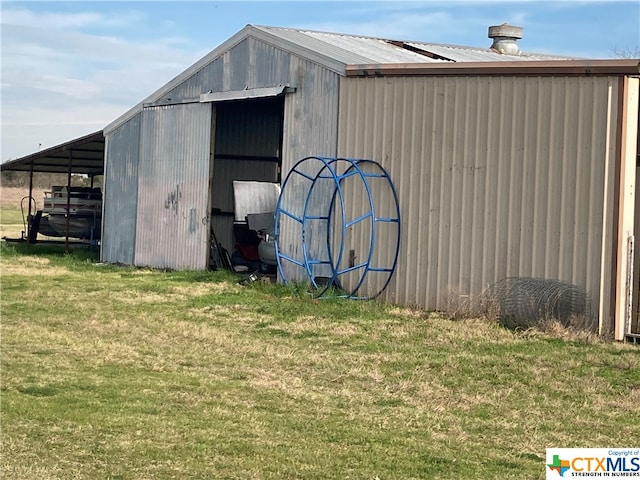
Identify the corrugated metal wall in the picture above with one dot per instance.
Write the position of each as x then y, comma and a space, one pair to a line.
310, 129
496, 177
310, 115
173, 187
174, 150
250, 64
121, 193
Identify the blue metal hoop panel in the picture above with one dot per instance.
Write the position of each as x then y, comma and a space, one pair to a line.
328, 168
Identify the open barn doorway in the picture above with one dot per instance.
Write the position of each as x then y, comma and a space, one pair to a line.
246, 146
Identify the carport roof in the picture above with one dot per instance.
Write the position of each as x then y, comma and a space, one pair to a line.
84, 155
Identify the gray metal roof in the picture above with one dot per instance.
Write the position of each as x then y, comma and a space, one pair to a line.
84, 155
470, 54
347, 49
336, 51
355, 49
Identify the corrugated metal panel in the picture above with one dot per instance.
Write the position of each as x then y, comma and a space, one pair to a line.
469, 54
310, 129
249, 128
173, 188
212, 72
229, 72
258, 56
356, 49
349, 48
497, 177
122, 155
271, 65
310, 125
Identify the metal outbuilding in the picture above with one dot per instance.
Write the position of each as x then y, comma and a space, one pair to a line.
247, 111
524, 170
506, 164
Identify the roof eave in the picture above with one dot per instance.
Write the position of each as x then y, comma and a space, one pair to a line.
89, 166
533, 67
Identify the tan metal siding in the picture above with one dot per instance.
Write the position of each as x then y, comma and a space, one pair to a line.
173, 187
627, 200
496, 177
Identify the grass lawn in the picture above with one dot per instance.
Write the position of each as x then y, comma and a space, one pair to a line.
14, 210
11, 223
120, 373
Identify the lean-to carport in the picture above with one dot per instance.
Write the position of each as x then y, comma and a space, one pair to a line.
82, 156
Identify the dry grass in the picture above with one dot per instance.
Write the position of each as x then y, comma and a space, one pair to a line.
26, 265
14, 207
119, 373
10, 197
463, 305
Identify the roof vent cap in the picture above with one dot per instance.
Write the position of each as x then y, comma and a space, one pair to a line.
505, 37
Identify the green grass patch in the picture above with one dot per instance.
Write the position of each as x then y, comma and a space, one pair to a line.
118, 372
12, 216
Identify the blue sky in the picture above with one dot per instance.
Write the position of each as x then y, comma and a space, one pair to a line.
70, 68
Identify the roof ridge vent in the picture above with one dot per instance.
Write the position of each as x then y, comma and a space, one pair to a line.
505, 38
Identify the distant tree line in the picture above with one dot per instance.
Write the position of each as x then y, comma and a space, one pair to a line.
46, 180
